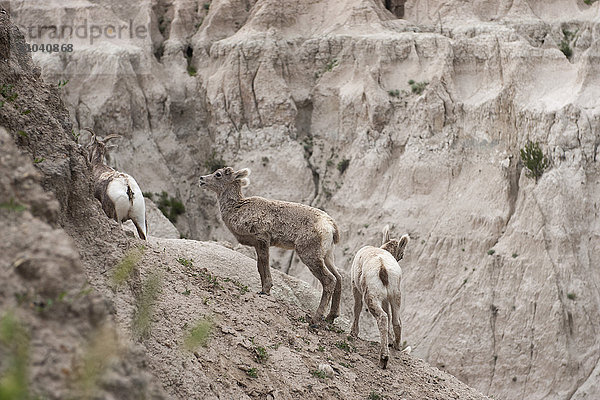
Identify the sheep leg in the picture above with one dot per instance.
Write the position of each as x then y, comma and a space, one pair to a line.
357, 310
382, 323
386, 308
316, 265
262, 253
334, 312
397, 323
139, 230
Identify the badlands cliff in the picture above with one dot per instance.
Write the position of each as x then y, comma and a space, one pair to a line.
501, 279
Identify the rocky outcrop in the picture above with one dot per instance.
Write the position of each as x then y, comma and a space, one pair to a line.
500, 281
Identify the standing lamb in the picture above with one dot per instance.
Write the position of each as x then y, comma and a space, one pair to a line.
261, 223
119, 193
376, 277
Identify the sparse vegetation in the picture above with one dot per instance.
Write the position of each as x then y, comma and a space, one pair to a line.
565, 43
317, 373
62, 83
375, 396
589, 2
491, 252
514, 255
199, 334
417, 87
343, 165
343, 345
99, 351
8, 94
252, 373
12, 205
211, 279
191, 70
185, 262
22, 133
260, 353
571, 296
170, 206
206, 6
148, 195
265, 161
14, 347
214, 162
534, 159
145, 306
38, 160
126, 266
394, 93
331, 65
241, 287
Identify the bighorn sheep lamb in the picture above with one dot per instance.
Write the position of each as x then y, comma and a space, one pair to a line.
119, 193
376, 277
261, 223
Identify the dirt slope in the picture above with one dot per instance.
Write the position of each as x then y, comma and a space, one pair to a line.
203, 280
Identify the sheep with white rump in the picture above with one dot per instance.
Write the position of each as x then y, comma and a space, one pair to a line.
376, 278
119, 193
261, 223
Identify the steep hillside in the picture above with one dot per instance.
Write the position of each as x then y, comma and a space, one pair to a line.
501, 286
87, 312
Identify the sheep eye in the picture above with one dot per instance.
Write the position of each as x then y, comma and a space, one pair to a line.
218, 174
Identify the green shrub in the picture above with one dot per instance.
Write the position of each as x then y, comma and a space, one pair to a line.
191, 71
252, 373
535, 161
565, 48
170, 206
571, 296
343, 165
214, 162
417, 87
491, 252
394, 93
317, 373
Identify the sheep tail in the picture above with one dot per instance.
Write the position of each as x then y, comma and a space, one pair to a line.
336, 233
129, 194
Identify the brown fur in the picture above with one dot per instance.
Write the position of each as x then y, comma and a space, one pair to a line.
383, 275
261, 223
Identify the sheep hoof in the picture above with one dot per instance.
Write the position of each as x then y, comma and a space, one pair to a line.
383, 360
331, 318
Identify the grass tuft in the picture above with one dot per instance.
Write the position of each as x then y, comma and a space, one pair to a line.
126, 266
198, 335
145, 303
14, 347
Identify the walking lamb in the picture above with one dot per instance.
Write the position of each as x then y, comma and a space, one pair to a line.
376, 277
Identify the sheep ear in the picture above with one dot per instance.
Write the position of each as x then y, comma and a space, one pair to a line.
386, 234
228, 171
242, 173
245, 182
404, 241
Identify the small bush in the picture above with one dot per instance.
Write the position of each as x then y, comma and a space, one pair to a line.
375, 396
535, 161
589, 2
191, 71
148, 195
260, 353
565, 48
514, 255
394, 93
343, 165
214, 162
417, 87
185, 262
206, 6
317, 373
331, 65
252, 373
571, 296
170, 206
491, 252
198, 335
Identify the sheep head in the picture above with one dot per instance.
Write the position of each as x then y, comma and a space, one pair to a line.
224, 178
98, 146
394, 246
